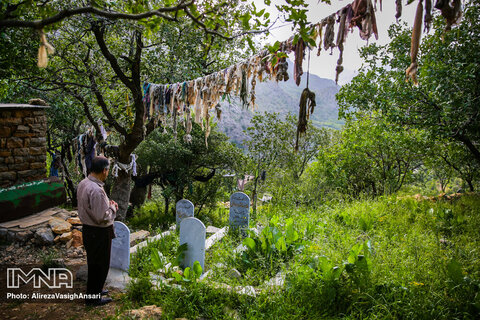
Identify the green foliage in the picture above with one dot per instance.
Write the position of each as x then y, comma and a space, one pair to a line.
370, 156
153, 256
444, 104
271, 140
416, 259
139, 289
49, 259
185, 169
150, 216
190, 275
275, 244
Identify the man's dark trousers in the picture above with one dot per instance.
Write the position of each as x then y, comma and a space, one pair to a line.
98, 243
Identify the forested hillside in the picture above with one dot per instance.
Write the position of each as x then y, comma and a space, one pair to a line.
282, 97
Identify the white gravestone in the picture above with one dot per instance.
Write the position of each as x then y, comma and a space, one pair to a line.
120, 252
193, 232
239, 210
184, 210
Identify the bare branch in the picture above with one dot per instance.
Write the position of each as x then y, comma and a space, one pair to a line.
102, 103
111, 58
39, 24
86, 109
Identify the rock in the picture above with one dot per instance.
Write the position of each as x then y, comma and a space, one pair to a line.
82, 273
77, 238
234, 274
69, 243
138, 236
277, 281
247, 290
74, 221
65, 237
231, 313
11, 236
177, 270
205, 275
3, 233
74, 213
157, 277
23, 236
63, 215
146, 312
212, 229
59, 225
445, 242
44, 236
59, 263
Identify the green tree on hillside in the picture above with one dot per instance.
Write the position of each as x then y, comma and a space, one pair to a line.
106, 51
181, 168
369, 157
271, 148
446, 101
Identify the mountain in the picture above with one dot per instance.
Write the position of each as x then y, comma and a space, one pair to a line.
282, 97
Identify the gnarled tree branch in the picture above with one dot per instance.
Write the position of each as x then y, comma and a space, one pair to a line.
39, 24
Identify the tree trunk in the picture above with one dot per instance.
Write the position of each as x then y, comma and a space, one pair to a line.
254, 194
138, 196
167, 204
121, 193
471, 147
470, 185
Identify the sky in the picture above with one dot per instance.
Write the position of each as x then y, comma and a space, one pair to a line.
324, 65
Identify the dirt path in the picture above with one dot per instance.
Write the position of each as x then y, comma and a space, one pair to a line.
41, 309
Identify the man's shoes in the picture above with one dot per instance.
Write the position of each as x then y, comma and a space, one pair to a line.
104, 292
98, 302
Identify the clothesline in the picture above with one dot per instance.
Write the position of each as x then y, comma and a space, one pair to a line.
182, 99
204, 93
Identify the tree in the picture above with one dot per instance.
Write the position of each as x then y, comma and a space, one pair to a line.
371, 157
454, 156
179, 166
101, 61
271, 146
445, 103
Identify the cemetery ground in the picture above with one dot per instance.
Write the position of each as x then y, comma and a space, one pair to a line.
394, 257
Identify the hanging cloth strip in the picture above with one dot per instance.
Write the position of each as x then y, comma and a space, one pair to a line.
102, 130
132, 166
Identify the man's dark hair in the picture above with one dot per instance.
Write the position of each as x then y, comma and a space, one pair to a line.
99, 163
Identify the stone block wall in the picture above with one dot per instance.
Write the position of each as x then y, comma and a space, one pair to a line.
23, 143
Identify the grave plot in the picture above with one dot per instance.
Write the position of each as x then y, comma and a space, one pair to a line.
235, 257
258, 258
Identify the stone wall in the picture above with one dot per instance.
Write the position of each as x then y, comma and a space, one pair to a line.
22, 143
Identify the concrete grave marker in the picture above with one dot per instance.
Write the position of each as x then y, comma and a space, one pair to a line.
192, 232
184, 210
120, 252
239, 210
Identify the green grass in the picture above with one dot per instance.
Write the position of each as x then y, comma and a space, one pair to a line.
389, 258
151, 217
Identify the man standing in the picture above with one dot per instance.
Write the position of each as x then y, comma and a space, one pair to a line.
97, 214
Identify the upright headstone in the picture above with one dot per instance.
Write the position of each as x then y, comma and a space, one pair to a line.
193, 232
184, 210
239, 210
120, 253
